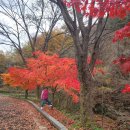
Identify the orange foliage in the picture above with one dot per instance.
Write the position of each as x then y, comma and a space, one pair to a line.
55, 72
23, 78
7, 78
58, 41
49, 70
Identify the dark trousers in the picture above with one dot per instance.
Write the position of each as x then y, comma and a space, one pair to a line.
45, 101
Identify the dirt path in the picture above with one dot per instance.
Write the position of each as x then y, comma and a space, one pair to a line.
19, 115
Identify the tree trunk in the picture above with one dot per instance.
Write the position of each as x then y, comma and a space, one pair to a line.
85, 79
38, 92
26, 94
53, 96
86, 104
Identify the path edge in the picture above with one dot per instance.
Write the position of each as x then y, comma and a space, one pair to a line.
51, 119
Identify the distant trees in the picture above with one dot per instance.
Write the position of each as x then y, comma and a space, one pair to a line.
27, 20
60, 42
12, 33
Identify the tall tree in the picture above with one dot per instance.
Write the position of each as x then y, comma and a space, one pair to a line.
82, 17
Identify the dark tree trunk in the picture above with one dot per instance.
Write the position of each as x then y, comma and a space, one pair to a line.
26, 94
24, 61
86, 97
86, 79
38, 92
53, 96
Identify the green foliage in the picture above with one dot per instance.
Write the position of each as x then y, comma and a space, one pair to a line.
63, 101
97, 128
117, 23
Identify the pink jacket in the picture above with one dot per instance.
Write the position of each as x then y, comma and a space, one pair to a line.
44, 94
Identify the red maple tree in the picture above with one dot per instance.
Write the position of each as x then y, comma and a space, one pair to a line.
50, 70
59, 73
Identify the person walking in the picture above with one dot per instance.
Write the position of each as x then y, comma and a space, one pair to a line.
44, 98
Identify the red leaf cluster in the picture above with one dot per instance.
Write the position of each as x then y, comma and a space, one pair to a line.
122, 33
22, 78
99, 8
